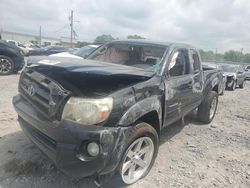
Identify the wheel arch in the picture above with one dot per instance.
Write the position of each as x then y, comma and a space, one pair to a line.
148, 110
152, 119
8, 54
216, 88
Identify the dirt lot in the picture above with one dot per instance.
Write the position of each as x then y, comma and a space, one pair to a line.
196, 155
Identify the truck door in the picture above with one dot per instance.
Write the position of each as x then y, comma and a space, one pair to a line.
197, 75
178, 85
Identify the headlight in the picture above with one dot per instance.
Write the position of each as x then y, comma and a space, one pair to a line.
87, 111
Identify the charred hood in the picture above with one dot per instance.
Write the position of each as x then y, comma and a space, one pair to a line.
87, 77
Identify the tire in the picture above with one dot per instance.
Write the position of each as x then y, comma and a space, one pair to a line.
207, 109
145, 136
223, 90
233, 86
15, 71
242, 85
6, 65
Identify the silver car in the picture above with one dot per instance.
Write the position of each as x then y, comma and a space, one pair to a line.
235, 76
247, 72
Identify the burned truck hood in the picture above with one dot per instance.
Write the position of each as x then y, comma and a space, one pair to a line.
88, 78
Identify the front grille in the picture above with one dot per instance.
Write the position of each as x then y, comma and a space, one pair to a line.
44, 94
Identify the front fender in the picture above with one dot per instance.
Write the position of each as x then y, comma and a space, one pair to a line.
141, 108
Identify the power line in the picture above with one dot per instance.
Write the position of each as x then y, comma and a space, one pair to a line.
55, 31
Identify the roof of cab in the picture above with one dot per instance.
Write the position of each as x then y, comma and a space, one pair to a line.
150, 42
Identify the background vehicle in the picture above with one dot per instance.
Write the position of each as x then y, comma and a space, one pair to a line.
235, 76
247, 72
221, 75
19, 45
32, 46
11, 58
48, 50
105, 113
81, 53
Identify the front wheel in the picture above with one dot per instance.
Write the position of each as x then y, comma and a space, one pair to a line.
233, 86
207, 109
6, 65
139, 157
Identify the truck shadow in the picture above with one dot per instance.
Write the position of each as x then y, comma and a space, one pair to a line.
23, 165
173, 129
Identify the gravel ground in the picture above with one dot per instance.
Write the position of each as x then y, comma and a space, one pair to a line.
196, 155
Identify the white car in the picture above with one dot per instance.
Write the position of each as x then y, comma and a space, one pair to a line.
81, 53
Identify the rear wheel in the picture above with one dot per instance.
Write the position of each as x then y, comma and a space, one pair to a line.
139, 157
207, 109
6, 65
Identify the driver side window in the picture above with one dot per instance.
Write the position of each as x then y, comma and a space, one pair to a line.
179, 63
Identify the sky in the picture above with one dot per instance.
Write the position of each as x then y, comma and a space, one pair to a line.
207, 24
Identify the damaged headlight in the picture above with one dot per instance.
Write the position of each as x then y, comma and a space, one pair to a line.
87, 111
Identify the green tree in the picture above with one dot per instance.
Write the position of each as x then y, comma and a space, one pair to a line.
81, 44
207, 55
219, 57
246, 58
104, 39
135, 37
234, 56
211, 56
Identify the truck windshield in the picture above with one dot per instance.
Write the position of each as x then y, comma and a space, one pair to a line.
147, 57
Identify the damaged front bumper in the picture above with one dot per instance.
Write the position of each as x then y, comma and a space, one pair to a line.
64, 142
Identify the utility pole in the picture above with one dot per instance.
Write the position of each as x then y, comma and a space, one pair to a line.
40, 36
216, 52
71, 28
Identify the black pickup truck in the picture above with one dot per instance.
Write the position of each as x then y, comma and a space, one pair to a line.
11, 58
104, 114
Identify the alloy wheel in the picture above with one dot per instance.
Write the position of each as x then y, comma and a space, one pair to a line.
5, 66
137, 160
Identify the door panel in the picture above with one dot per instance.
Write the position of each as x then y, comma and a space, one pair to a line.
177, 97
183, 85
197, 74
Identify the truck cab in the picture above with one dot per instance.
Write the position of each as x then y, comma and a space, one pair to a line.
104, 114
